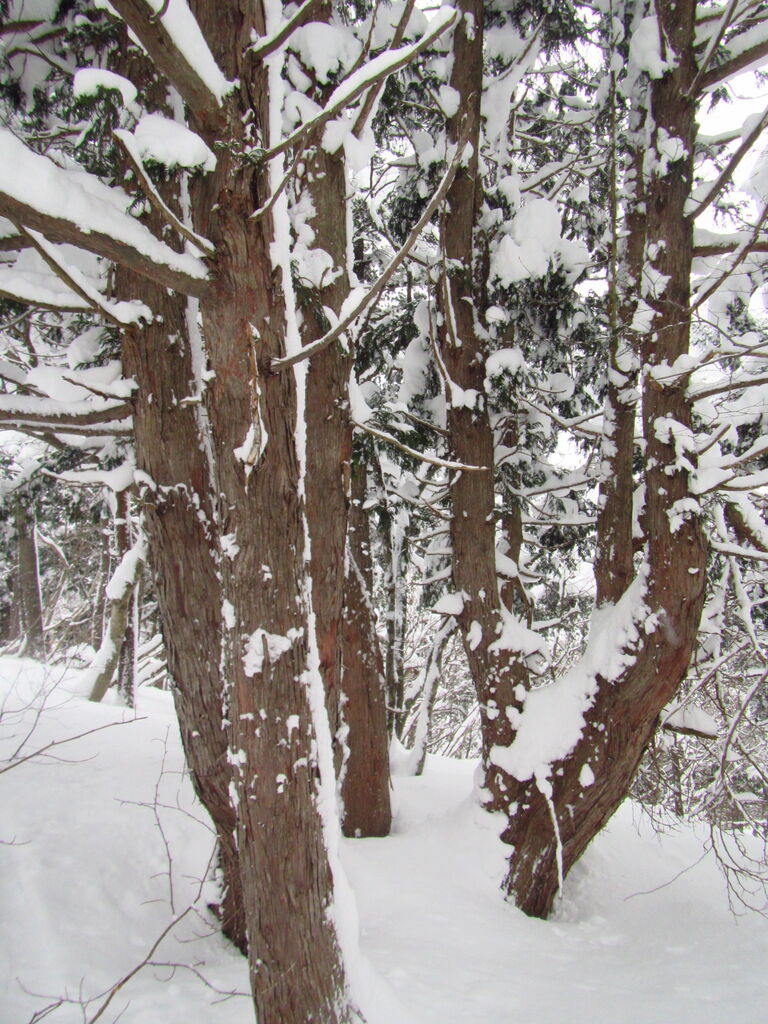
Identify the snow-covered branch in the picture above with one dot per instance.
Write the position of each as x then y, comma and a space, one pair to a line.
171, 36
36, 193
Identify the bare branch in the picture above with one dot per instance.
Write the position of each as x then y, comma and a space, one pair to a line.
60, 743
370, 100
430, 459
714, 42
378, 69
741, 254
48, 254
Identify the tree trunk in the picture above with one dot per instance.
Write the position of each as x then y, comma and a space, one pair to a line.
164, 357
558, 817
120, 594
30, 602
365, 789
496, 674
277, 725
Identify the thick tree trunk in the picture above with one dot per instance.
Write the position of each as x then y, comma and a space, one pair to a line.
279, 737
30, 602
323, 188
175, 501
175, 487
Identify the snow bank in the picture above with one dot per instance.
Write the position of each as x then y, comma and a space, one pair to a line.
90, 880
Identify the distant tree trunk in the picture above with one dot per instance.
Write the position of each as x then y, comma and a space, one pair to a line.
99, 594
120, 595
365, 789
29, 597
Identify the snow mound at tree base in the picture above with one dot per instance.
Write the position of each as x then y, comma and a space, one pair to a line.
104, 847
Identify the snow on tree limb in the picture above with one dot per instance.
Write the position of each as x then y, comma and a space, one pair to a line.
373, 293
171, 36
37, 194
360, 81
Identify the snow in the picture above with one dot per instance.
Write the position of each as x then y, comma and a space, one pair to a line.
169, 143
642, 934
94, 207
325, 48
552, 720
645, 48
183, 28
89, 82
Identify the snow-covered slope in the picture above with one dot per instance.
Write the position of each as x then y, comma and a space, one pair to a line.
104, 847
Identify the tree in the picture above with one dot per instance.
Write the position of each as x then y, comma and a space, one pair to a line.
200, 217
209, 335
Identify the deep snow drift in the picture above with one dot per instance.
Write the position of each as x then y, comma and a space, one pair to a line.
104, 847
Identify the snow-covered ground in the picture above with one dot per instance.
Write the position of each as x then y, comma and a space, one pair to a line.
103, 847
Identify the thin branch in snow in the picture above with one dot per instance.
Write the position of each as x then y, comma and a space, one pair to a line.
373, 293
430, 459
60, 743
726, 174
741, 254
124, 140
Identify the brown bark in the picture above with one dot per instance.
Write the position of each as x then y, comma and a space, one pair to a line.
175, 502
473, 525
275, 727
365, 793
364, 776
625, 710
329, 428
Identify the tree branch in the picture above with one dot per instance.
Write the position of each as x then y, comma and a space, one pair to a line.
267, 45
431, 460
727, 173
732, 67
377, 70
177, 68
124, 141
60, 229
375, 291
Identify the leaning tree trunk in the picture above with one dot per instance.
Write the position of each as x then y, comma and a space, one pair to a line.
559, 816
555, 805
177, 517
174, 486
